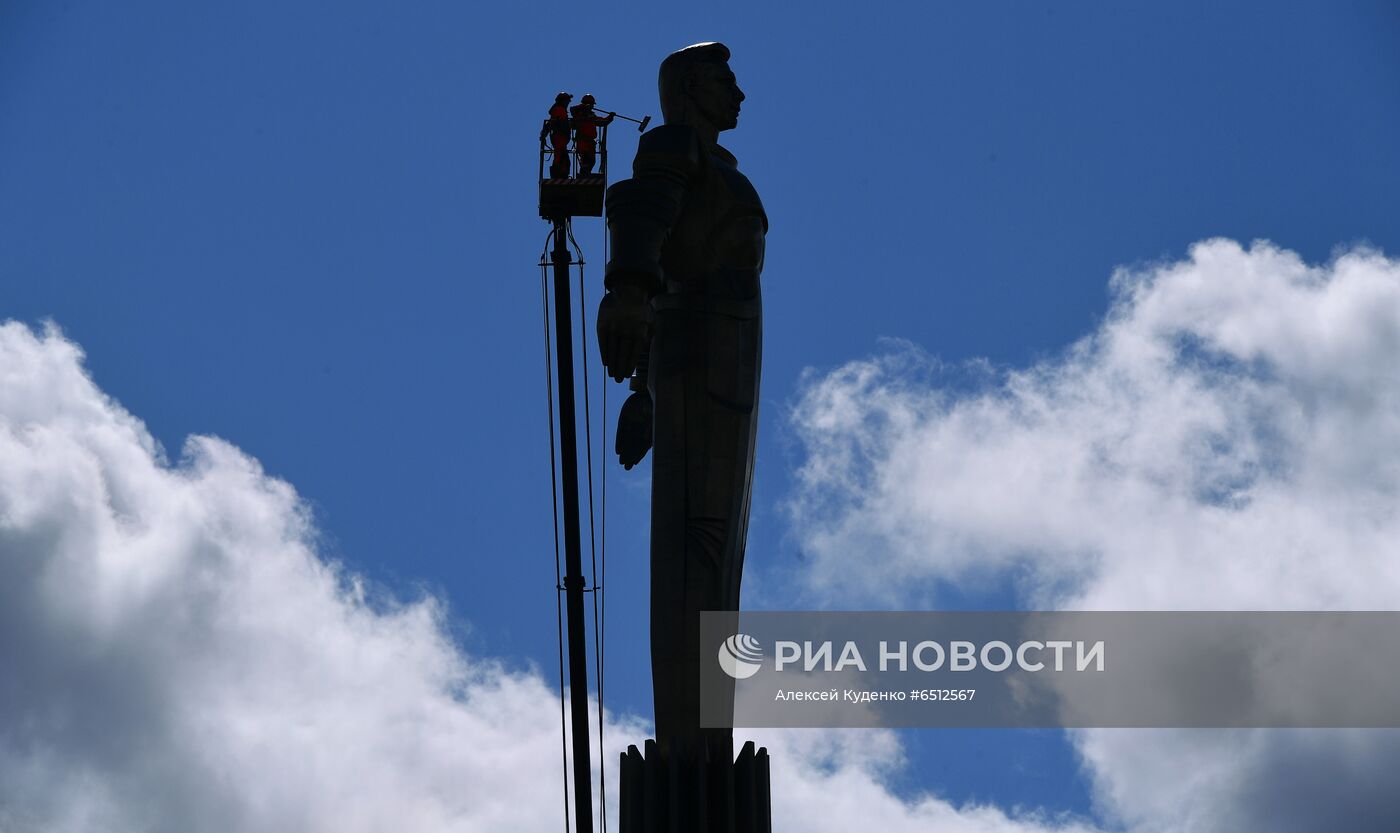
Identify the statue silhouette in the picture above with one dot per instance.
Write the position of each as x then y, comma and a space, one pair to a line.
683, 311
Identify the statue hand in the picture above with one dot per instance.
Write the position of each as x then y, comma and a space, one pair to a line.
624, 330
634, 425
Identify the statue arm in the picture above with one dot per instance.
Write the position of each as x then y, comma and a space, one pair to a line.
641, 212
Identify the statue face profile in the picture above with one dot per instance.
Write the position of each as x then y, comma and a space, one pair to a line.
715, 94
699, 89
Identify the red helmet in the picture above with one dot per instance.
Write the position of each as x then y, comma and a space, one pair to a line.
588, 99
562, 97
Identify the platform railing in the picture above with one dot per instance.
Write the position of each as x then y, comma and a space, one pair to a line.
547, 152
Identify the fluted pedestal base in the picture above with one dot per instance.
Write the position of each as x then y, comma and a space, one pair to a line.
695, 791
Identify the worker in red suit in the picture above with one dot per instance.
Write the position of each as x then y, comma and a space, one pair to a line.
586, 133
558, 130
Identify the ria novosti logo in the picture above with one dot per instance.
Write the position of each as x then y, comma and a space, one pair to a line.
740, 656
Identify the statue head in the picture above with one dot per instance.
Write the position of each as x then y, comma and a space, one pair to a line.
699, 88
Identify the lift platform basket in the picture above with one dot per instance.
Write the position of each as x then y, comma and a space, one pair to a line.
576, 196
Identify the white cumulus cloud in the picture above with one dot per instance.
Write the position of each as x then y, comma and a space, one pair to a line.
177, 658
1227, 438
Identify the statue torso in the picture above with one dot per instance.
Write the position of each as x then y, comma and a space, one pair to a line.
716, 245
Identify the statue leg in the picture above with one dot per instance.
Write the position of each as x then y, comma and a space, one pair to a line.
701, 477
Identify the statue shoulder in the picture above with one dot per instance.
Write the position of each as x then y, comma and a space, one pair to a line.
671, 148
669, 138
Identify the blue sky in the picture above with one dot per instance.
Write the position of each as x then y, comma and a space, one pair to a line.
308, 228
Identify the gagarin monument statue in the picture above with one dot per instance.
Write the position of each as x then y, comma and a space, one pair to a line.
683, 312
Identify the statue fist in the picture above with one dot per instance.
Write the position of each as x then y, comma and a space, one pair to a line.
624, 330
634, 424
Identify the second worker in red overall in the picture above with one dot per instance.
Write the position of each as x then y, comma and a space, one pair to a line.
586, 124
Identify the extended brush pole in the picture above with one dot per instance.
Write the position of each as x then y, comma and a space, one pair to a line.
641, 125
